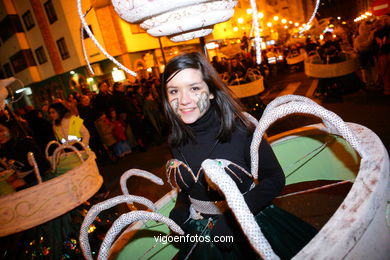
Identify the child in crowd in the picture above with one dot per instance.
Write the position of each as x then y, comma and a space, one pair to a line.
121, 147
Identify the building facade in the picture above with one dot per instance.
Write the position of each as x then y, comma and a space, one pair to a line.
41, 45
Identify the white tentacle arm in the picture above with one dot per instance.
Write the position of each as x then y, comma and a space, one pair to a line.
129, 218
289, 98
236, 202
96, 209
287, 108
139, 173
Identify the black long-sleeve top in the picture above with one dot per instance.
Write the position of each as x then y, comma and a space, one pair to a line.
237, 150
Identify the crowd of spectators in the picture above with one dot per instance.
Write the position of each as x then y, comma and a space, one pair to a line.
369, 39
119, 118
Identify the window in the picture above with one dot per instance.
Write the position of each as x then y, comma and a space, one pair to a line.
41, 55
63, 49
85, 34
9, 26
50, 12
22, 60
28, 20
7, 70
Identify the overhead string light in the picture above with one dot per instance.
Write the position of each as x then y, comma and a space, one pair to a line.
255, 25
88, 31
83, 44
307, 26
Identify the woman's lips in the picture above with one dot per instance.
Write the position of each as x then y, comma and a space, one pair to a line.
187, 110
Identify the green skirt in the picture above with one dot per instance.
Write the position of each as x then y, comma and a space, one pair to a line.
286, 234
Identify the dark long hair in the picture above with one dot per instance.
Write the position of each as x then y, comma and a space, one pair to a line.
227, 108
62, 111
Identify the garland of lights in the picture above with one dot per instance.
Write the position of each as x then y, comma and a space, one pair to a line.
307, 26
86, 28
257, 31
83, 45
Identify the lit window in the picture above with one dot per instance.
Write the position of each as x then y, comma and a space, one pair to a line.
28, 20
50, 12
63, 49
41, 55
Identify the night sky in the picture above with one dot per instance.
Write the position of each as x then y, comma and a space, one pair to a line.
347, 9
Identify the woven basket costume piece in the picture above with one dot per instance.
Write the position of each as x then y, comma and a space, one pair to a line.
50, 199
331, 70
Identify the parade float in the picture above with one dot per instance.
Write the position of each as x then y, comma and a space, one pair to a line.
39, 220
328, 156
249, 86
316, 68
52, 198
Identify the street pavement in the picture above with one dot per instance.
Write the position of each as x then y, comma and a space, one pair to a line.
366, 107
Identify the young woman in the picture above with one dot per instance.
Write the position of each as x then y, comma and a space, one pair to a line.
207, 123
67, 127
14, 147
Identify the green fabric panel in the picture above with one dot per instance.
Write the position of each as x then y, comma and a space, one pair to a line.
143, 240
306, 158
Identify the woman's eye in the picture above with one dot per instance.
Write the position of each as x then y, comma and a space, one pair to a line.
195, 88
172, 91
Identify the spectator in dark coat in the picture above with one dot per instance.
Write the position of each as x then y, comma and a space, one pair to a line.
104, 100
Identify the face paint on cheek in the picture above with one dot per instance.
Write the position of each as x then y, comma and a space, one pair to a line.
203, 102
175, 105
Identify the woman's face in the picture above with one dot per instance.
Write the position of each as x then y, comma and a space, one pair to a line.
53, 114
5, 134
188, 95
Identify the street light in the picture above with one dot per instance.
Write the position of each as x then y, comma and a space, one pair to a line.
260, 15
269, 24
284, 21
276, 17
240, 20
249, 11
296, 24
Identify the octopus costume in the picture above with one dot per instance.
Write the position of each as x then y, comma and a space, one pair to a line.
202, 210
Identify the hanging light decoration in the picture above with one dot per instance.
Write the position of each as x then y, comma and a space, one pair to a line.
307, 26
257, 31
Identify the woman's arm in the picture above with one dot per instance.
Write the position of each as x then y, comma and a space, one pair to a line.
271, 179
271, 183
181, 211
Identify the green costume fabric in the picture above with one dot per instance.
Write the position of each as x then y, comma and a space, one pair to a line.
286, 233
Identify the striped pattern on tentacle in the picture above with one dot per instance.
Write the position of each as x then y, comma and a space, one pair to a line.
129, 218
301, 107
139, 173
173, 166
96, 209
237, 204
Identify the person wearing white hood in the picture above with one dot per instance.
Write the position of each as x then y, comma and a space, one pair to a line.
363, 46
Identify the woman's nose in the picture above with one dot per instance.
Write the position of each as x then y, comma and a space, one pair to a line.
184, 98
